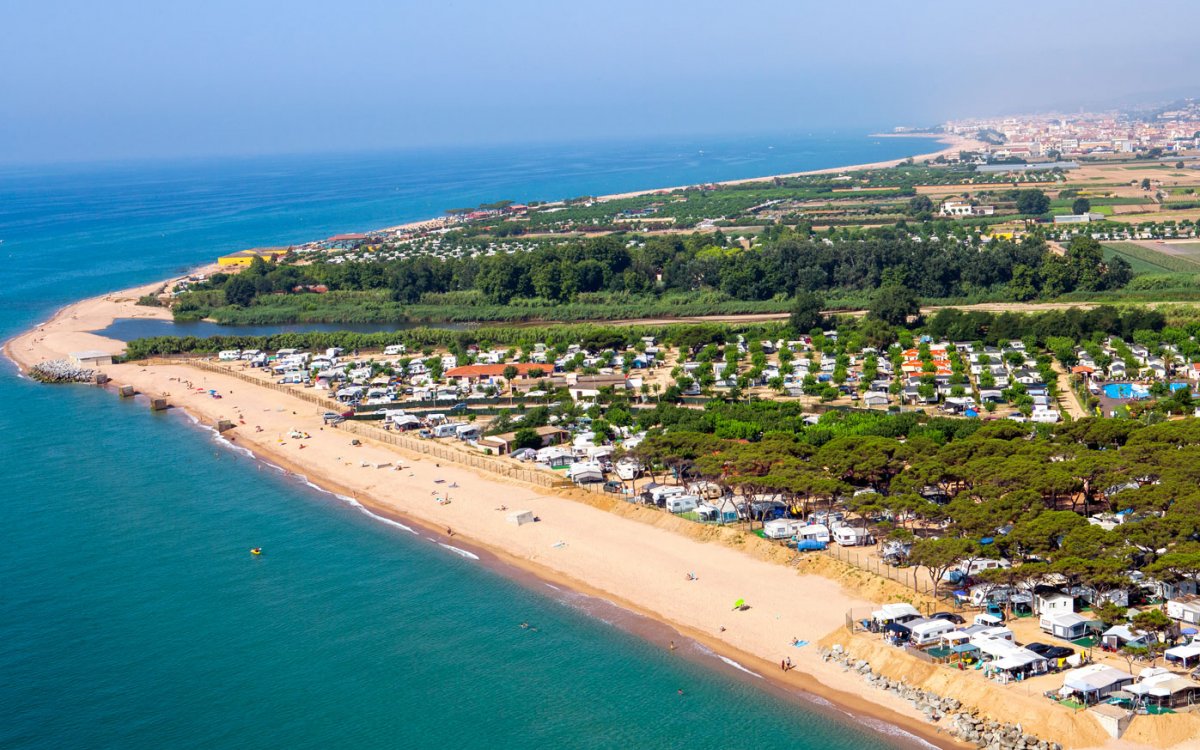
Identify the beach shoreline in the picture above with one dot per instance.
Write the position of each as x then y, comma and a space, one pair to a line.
477, 526
609, 569
952, 144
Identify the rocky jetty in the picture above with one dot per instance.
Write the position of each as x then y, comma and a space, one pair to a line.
61, 371
963, 722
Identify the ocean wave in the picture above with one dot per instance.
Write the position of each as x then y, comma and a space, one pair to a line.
892, 730
460, 552
737, 666
365, 510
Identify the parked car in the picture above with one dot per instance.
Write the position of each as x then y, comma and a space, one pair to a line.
1050, 652
956, 619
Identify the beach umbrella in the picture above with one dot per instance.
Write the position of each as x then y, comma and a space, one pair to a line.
739, 604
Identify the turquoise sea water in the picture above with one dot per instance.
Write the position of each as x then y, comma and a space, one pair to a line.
132, 616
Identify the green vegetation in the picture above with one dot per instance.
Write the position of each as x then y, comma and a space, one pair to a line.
1142, 259
703, 273
963, 489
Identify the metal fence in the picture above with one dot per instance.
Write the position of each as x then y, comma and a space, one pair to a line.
912, 578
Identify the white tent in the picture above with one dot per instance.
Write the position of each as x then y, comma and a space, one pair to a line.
1095, 680
1183, 654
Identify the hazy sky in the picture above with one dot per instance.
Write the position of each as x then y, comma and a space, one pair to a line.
85, 79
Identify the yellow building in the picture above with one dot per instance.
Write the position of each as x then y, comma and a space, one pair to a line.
246, 257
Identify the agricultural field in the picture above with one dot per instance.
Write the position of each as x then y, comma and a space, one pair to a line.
1152, 257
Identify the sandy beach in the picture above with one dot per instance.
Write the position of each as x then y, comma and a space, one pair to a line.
633, 556
952, 145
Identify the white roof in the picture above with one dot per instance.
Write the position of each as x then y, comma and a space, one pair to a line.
1186, 651
1161, 683
1066, 619
893, 611
931, 626
1095, 677
1019, 658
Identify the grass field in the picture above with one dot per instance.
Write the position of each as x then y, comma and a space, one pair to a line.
1144, 260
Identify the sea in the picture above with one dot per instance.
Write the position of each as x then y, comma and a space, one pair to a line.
131, 612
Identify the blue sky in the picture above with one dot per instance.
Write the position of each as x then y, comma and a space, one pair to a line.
117, 79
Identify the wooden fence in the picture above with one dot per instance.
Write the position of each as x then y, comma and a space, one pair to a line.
450, 453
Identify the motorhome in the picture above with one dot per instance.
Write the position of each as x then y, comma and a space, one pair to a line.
393, 350
658, 494
930, 631
230, 355
852, 536
628, 469
781, 528
468, 432
968, 568
682, 503
816, 532
446, 429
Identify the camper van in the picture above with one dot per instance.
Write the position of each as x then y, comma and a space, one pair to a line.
628, 469
781, 528
393, 350
446, 429
658, 495
682, 503
852, 536
230, 355
968, 568
930, 631
813, 532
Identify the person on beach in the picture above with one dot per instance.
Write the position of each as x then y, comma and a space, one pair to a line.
449, 531
790, 666
672, 645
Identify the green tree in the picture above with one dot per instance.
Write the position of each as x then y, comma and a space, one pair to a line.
1032, 202
938, 556
527, 437
895, 304
806, 312
1081, 206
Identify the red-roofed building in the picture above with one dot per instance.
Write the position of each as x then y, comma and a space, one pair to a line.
492, 372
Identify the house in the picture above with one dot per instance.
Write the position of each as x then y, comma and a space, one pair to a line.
1053, 602
1185, 608
1119, 636
875, 399
91, 358
588, 386
1066, 625
246, 257
476, 373
503, 444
